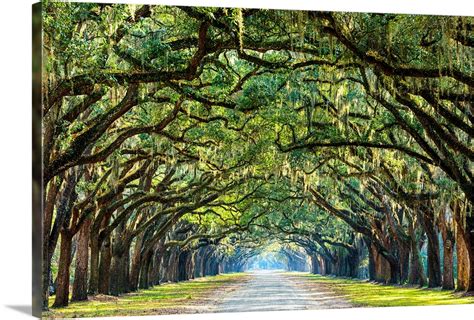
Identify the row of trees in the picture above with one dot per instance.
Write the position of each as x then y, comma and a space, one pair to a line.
177, 141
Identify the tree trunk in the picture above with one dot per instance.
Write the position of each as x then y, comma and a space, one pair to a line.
144, 272
155, 272
118, 269
205, 262
353, 262
116, 272
404, 253
172, 269
371, 267
49, 202
104, 267
199, 262
62, 291
381, 267
416, 273
79, 289
448, 259
322, 267
126, 270
328, 266
434, 261
94, 265
447, 234
465, 251
470, 247
63, 215
151, 266
182, 258
46, 276
462, 282
394, 273
136, 264
314, 264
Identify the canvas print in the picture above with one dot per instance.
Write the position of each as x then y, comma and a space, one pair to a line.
199, 160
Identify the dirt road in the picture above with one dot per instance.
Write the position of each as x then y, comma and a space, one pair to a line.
277, 291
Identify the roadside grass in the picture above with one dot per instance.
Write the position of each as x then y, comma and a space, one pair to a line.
163, 299
366, 294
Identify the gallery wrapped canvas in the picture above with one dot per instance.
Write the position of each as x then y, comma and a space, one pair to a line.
206, 159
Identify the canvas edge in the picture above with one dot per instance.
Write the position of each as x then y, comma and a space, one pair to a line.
37, 190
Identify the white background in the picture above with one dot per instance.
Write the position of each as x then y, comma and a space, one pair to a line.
15, 155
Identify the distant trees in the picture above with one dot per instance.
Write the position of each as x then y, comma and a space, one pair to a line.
174, 135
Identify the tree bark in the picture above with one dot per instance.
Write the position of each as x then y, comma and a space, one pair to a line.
416, 274
155, 272
117, 274
447, 234
104, 267
314, 264
434, 261
152, 263
94, 265
62, 291
371, 266
322, 266
404, 253
49, 202
462, 282
465, 251
448, 259
470, 247
136, 264
126, 270
79, 290
118, 271
182, 259
144, 272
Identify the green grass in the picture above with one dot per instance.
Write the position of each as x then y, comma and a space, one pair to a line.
366, 294
163, 299
182, 297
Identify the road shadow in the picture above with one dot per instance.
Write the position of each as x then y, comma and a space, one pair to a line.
25, 309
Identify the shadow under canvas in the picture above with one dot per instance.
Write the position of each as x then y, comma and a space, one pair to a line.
26, 309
